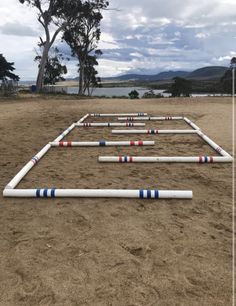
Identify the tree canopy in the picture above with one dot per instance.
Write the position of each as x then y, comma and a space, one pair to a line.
57, 16
54, 68
181, 87
226, 80
82, 35
6, 69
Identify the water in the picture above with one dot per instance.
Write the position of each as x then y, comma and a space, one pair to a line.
115, 91
123, 91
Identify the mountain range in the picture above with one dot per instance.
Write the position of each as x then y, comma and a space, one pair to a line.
210, 73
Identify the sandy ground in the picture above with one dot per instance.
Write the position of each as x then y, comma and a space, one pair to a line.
115, 252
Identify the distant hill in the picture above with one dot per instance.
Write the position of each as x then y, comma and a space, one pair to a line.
208, 73
205, 73
166, 75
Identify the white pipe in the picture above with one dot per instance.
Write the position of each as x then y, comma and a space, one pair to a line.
108, 124
67, 131
164, 159
215, 146
117, 115
150, 118
193, 125
101, 143
154, 131
82, 119
98, 193
19, 176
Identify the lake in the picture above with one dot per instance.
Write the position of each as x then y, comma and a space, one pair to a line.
115, 91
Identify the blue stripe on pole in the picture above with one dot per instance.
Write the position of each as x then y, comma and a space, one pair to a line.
45, 193
109, 124
156, 194
126, 159
141, 194
206, 159
53, 193
149, 194
152, 131
102, 143
38, 193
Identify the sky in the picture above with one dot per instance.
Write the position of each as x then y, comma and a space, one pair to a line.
144, 37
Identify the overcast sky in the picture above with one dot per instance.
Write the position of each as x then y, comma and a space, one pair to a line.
139, 37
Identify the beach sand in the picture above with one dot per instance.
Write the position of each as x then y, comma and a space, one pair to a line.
115, 252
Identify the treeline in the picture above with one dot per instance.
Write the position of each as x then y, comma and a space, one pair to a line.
184, 87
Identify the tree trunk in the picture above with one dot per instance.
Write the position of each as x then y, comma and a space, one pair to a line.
81, 78
39, 82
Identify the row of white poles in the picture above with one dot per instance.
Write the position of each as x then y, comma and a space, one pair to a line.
99, 193
154, 131
101, 143
9, 191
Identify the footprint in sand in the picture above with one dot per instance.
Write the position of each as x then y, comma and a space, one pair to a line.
47, 300
29, 283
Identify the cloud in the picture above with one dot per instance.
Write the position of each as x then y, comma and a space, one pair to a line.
16, 29
141, 36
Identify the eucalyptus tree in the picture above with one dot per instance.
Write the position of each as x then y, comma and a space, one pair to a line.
83, 35
54, 16
54, 68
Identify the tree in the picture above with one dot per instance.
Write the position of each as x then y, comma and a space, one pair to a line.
91, 79
151, 95
54, 16
54, 69
82, 35
181, 87
6, 69
226, 80
134, 94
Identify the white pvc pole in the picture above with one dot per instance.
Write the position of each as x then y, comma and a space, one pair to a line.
193, 125
150, 118
15, 181
67, 131
164, 159
101, 143
117, 115
99, 193
82, 119
215, 146
108, 124
19, 176
154, 131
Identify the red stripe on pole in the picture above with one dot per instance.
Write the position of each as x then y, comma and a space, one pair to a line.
200, 159
120, 159
140, 143
148, 131
211, 159
132, 143
69, 144
61, 143
130, 159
